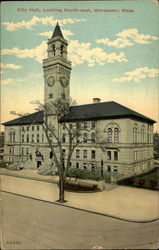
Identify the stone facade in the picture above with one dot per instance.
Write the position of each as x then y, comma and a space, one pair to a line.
121, 152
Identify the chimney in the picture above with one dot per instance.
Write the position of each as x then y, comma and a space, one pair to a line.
96, 100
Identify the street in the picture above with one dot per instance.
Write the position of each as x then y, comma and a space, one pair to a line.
33, 224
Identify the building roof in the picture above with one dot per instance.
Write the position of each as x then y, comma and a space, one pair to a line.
34, 118
57, 32
94, 111
103, 110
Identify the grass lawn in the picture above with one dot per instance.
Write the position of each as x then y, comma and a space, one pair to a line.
148, 180
91, 175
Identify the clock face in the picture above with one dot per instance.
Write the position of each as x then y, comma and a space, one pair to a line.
64, 81
51, 81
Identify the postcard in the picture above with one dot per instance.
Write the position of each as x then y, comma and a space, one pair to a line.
79, 124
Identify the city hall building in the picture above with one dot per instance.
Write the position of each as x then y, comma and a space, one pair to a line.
126, 136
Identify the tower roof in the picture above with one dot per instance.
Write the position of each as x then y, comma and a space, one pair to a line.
57, 32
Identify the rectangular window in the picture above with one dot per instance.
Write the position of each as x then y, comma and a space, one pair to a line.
77, 153
85, 125
10, 150
63, 138
51, 154
22, 137
115, 155
115, 169
109, 168
77, 164
27, 138
93, 154
50, 96
70, 163
135, 155
84, 153
38, 128
93, 168
32, 128
37, 137
27, 128
32, 138
78, 125
22, 151
85, 137
22, 128
93, 124
84, 165
27, 151
109, 155
78, 138
64, 151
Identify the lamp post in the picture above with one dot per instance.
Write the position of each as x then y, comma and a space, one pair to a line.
102, 185
101, 173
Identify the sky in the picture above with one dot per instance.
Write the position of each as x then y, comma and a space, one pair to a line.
114, 52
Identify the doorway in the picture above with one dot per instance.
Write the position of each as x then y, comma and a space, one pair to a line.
38, 164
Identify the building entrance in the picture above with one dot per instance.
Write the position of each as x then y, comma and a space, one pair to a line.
38, 164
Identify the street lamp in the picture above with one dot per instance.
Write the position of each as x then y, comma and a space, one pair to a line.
101, 173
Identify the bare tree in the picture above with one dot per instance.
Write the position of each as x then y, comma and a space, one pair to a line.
54, 114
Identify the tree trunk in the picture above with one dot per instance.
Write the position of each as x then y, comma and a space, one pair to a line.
61, 189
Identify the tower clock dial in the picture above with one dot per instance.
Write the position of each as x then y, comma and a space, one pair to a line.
51, 81
64, 81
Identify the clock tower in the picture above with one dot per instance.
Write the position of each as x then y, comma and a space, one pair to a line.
57, 68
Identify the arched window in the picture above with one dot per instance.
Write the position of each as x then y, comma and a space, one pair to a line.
51, 155
85, 137
10, 136
13, 136
53, 49
110, 135
134, 134
62, 50
93, 137
142, 133
116, 135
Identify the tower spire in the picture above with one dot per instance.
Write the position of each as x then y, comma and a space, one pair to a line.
57, 32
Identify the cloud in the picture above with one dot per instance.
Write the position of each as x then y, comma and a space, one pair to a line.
138, 74
11, 66
128, 37
82, 52
78, 53
49, 20
11, 81
38, 53
66, 33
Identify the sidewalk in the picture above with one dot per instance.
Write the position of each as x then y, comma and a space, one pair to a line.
134, 204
